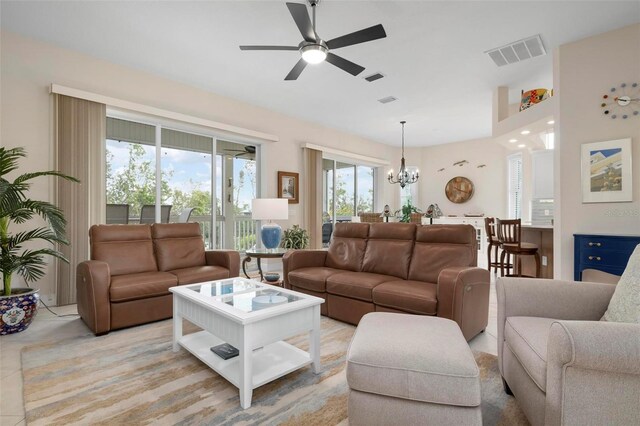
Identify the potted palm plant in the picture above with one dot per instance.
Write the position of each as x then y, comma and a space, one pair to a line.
19, 254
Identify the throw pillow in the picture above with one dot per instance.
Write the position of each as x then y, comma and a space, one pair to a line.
625, 303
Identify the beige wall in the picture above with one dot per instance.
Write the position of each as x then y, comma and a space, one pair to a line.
489, 181
584, 71
29, 67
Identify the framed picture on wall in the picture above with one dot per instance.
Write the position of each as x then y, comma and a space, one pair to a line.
289, 186
606, 172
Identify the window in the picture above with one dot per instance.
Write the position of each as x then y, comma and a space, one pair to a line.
514, 185
549, 140
348, 190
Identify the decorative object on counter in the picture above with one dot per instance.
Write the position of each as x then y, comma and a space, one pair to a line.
406, 211
386, 213
18, 306
622, 102
295, 238
474, 215
433, 212
606, 171
403, 177
270, 209
532, 97
289, 186
459, 189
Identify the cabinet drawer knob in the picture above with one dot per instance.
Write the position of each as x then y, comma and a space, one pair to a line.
591, 244
595, 257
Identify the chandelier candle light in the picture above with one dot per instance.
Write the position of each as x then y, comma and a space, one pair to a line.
403, 177
270, 209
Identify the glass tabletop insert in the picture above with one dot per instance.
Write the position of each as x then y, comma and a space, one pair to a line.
244, 295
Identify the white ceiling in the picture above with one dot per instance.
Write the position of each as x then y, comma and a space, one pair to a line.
432, 57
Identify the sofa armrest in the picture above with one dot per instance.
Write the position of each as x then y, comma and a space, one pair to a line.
599, 356
298, 259
229, 259
463, 296
93, 279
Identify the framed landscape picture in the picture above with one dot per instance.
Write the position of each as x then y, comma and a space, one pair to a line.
606, 172
289, 186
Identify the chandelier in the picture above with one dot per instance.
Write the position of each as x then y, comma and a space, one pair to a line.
403, 177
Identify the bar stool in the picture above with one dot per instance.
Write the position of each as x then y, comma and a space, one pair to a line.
510, 237
493, 250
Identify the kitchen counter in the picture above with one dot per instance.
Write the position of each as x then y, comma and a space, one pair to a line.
542, 236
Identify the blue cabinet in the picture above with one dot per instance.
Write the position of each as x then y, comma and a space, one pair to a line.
608, 253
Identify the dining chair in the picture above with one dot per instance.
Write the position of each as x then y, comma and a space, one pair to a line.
509, 233
148, 213
185, 215
117, 214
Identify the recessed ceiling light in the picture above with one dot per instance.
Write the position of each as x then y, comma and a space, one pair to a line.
525, 132
550, 122
521, 145
513, 140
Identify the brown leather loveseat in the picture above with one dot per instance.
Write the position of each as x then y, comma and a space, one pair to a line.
127, 280
396, 267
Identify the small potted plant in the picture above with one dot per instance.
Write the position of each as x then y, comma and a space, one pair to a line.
295, 238
406, 211
18, 306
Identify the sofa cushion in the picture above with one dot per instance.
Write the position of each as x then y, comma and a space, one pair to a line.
389, 249
178, 245
348, 243
140, 286
413, 357
127, 249
313, 278
410, 296
356, 285
441, 246
625, 302
197, 274
527, 337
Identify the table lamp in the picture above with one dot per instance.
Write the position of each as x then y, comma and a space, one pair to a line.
270, 209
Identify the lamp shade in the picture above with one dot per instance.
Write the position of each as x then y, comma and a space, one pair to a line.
269, 209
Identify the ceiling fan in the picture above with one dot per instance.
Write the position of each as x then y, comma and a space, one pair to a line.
314, 49
248, 150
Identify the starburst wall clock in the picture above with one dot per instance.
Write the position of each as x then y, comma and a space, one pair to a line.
622, 101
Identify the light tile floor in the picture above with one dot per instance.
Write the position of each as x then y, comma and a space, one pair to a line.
47, 326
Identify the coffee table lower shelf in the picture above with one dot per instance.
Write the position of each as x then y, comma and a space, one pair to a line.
269, 362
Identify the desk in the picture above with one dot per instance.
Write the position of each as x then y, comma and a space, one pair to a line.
261, 254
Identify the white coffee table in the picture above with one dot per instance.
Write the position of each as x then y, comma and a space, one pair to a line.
226, 312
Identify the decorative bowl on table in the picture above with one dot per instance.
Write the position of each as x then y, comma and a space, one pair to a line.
272, 277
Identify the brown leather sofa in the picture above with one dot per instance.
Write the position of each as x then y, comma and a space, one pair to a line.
396, 267
127, 280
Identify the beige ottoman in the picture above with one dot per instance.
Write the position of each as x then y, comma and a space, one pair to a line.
411, 370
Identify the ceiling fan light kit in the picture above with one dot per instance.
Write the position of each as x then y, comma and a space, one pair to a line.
314, 53
314, 50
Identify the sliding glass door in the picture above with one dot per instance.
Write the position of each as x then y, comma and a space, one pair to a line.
349, 189
158, 174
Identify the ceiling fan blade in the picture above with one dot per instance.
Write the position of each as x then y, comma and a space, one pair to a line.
348, 66
362, 36
268, 47
301, 17
297, 69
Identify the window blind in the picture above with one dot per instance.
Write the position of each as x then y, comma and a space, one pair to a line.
515, 185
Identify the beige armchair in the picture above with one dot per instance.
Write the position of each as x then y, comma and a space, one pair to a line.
563, 365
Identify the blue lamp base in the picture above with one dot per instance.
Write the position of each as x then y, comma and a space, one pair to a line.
271, 234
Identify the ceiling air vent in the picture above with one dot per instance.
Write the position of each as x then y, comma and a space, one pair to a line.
517, 51
387, 99
374, 77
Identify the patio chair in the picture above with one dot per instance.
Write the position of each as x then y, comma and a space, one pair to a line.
148, 213
117, 214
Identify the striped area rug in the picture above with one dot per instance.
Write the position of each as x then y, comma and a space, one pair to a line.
132, 377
